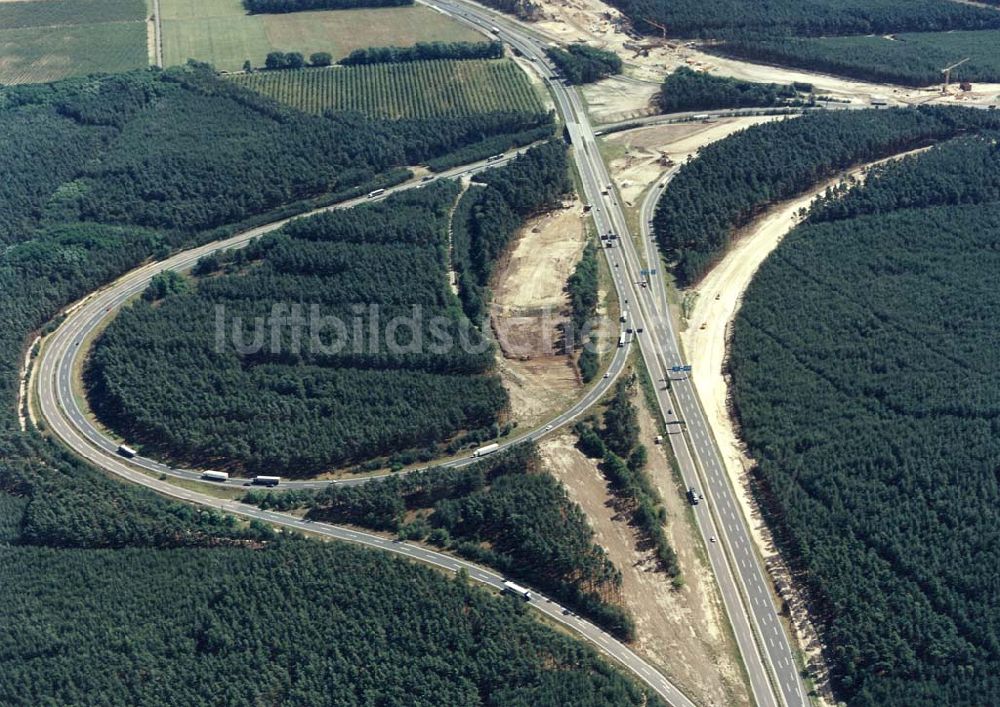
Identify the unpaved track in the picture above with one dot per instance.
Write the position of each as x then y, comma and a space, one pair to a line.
719, 296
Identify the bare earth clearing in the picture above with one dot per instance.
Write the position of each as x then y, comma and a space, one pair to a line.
718, 298
638, 155
682, 630
650, 59
615, 99
529, 304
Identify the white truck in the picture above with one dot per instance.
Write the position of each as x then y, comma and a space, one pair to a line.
376, 193
621, 341
518, 590
126, 451
488, 449
220, 476
266, 480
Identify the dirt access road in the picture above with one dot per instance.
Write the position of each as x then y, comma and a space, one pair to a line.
650, 59
705, 339
636, 158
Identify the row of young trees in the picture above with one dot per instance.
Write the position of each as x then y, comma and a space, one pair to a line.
865, 381
583, 299
686, 89
734, 179
580, 63
505, 511
295, 60
283, 6
623, 463
424, 51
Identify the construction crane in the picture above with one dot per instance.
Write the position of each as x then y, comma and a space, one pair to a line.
947, 74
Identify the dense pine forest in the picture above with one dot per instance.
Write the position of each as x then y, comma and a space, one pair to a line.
581, 64
582, 288
733, 180
865, 371
181, 153
310, 398
185, 605
727, 18
505, 511
116, 595
911, 59
686, 89
346, 384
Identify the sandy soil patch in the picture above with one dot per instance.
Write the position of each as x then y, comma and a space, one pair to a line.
640, 156
854, 90
615, 99
652, 58
529, 306
24, 387
151, 41
718, 299
680, 630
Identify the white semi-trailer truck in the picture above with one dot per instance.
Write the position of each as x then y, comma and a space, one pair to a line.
266, 480
126, 451
219, 476
488, 449
518, 590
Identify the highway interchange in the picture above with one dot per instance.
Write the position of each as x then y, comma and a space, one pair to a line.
765, 647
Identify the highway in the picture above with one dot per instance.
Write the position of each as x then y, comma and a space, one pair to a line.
61, 345
88, 315
763, 643
764, 646
61, 410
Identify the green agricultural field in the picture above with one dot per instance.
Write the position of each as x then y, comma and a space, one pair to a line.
46, 40
49, 13
423, 89
221, 33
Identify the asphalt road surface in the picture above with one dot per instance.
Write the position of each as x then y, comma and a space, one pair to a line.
61, 410
764, 645
766, 650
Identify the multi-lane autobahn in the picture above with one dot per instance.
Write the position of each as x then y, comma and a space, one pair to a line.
85, 318
61, 409
764, 644
774, 677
